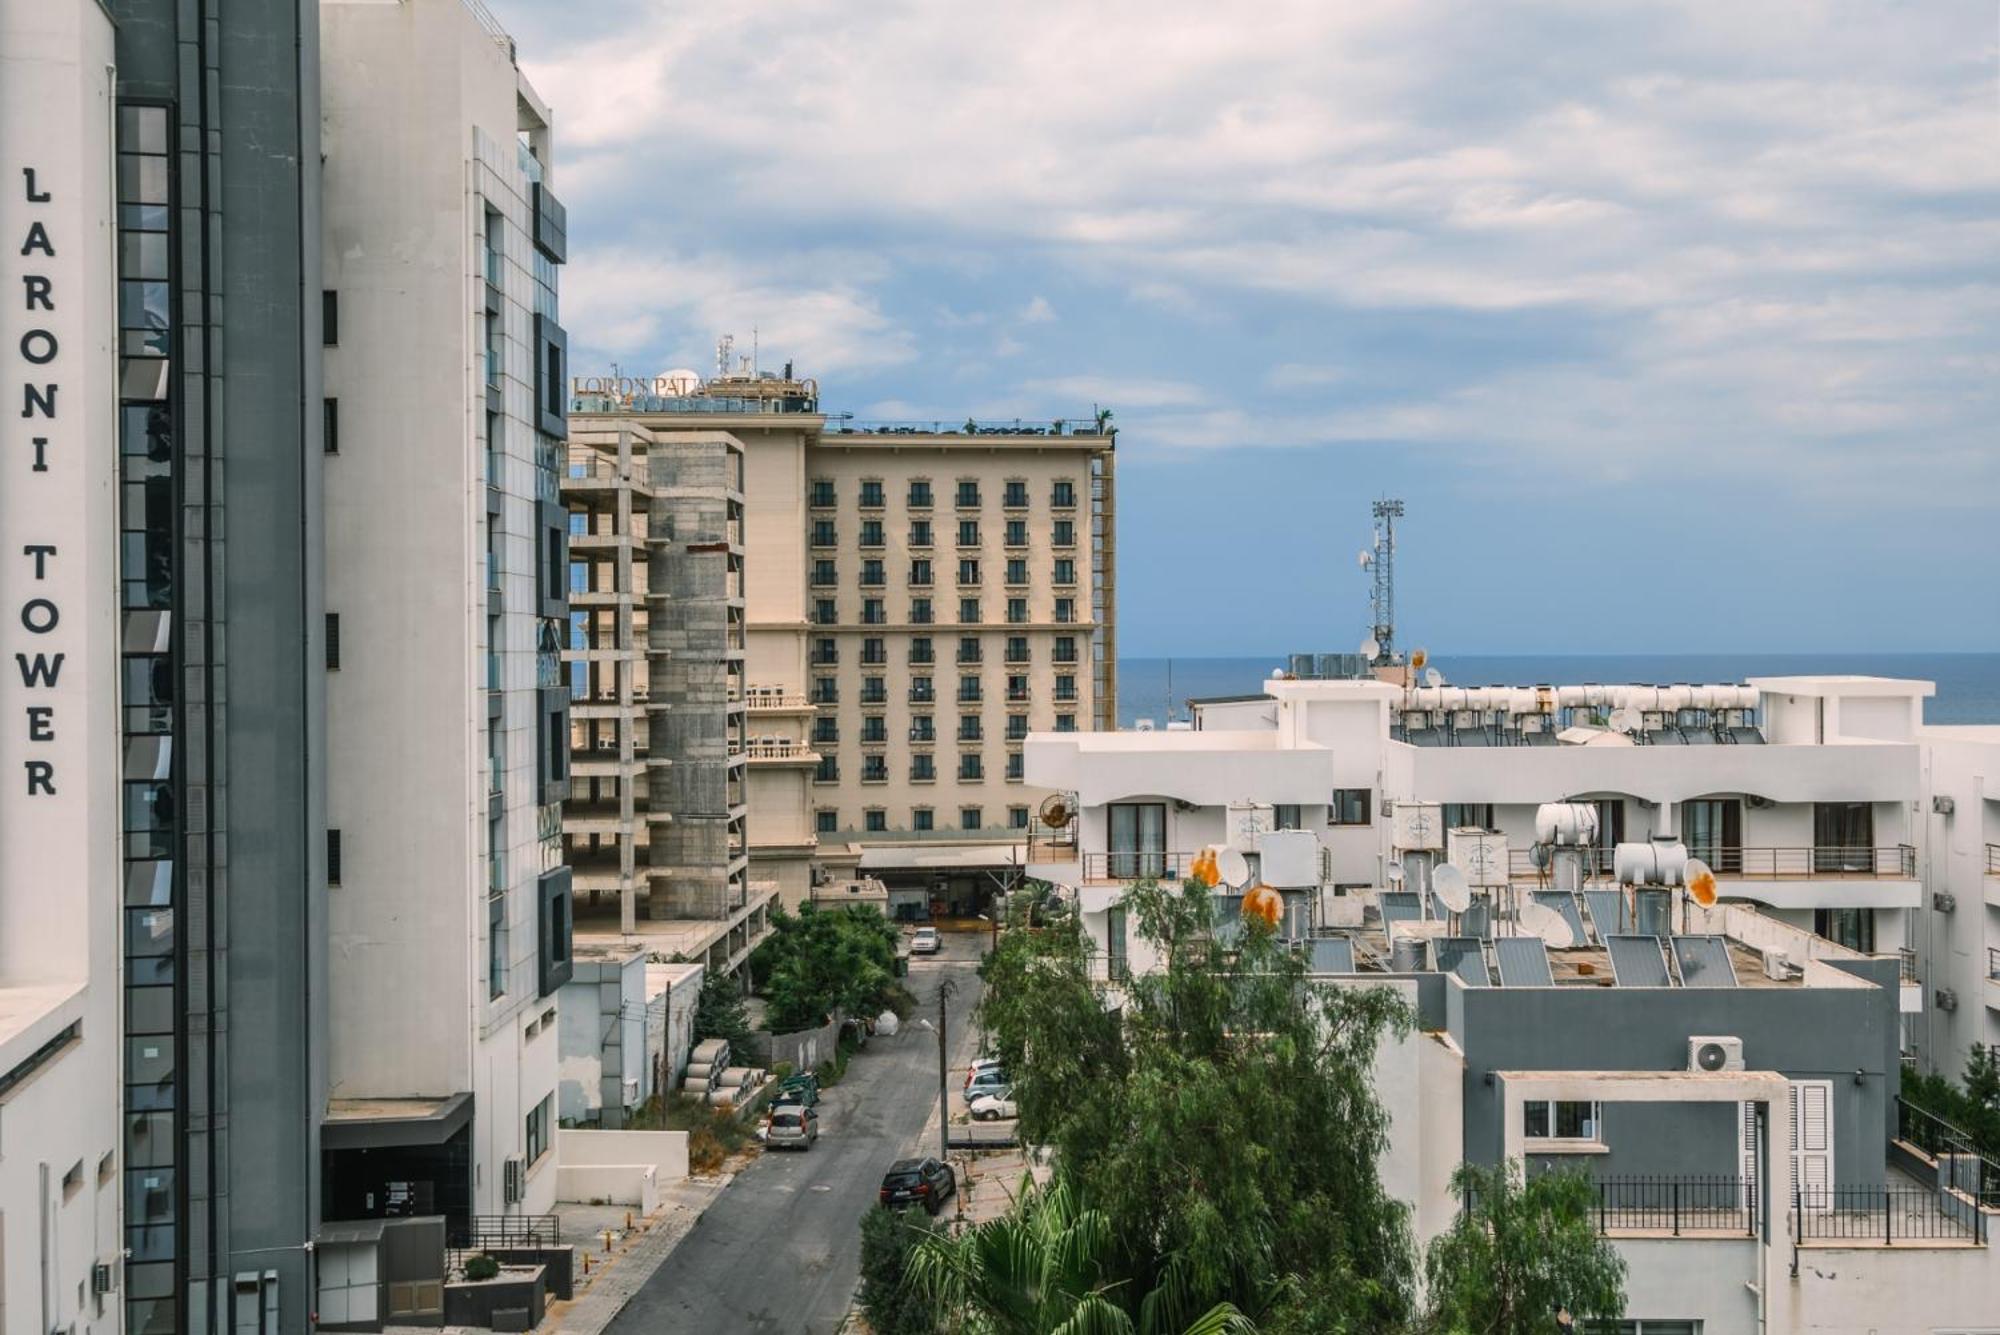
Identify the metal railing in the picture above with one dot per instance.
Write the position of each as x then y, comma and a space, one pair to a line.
1891, 861
1972, 1171
1062, 426
1053, 845
1136, 866
757, 700
1107, 969
1676, 1205
1886, 1214
509, 1230
1992, 962
1993, 859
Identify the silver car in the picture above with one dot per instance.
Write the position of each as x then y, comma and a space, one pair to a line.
793, 1126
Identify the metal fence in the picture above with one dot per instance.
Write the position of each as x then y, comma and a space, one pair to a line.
1887, 1214
508, 1230
1677, 1205
1137, 866
1965, 1166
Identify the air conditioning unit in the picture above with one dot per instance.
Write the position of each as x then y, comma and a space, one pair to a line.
103, 1278
1944, 901
513, 1181
1946, 999
1778, 965
1708, 1052
1943, 805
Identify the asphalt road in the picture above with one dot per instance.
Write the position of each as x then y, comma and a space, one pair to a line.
779, 1252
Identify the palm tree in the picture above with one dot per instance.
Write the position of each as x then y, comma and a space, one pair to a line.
1041, 1269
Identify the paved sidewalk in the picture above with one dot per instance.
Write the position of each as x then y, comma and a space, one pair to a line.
633, 1258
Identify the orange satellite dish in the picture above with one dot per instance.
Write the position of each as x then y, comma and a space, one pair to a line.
1205, 870
1265, 903
1700, 883
1418, 659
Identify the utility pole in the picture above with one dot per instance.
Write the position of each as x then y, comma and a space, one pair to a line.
945, 989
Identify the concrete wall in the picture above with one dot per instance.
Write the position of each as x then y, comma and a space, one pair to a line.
1700, 1279
624, 1167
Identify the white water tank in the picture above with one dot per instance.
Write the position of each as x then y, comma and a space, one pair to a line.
1662, 861
1416, 827
1573, 824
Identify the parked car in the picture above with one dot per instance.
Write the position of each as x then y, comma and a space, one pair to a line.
985, 1082
996, 1105
793, 1126
982, 1064
924, 1182
926, 941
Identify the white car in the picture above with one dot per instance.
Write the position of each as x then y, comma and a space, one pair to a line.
925, 941
995, 1105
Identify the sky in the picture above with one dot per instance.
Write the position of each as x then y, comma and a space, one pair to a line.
1675, 327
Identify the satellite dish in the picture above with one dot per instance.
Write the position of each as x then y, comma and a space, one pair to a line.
1233, 867
1418, 659
1433, 678
1263, 902
1393, 873
1055, 812
1540, 855
680, 383
1543, 921
1700, 882
1453, 891
1369, 648
1364, 558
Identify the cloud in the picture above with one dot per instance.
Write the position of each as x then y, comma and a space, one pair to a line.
1114, 392
1037, 311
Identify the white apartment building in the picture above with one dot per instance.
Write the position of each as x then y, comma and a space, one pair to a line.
920, 597
448, 738
1826, 967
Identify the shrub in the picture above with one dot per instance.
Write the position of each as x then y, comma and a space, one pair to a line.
481, 1267
892, 1307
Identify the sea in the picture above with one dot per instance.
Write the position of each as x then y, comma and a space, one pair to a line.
1968, 685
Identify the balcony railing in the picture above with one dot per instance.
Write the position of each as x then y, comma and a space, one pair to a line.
1110, 969
1067, 426
1993, 963
1117, 867
1993, 859
1046, 845
763, 700
777, 748
1890, 862
1676, 1205
1888, 1214
1975, 1173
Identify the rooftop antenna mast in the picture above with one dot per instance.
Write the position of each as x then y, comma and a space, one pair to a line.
724, 346
1382, 598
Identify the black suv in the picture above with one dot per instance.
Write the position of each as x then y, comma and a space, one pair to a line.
923, 1182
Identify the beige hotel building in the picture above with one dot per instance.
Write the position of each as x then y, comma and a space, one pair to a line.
919, 597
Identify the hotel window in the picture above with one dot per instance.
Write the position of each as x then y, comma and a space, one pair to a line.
333, 857
968, 611
923, 768
921, 651
874, 651
823, 533
920, 496
826, 652
871, 533
1017, 533
874, 730
1065, 723
968, 649
1017, 570
1065, 611
1014, 766
1065, 571
1065, 535
968, 495
329, 426
968, 532
1065, 650
1017, 818
826, 728
824, 612
920, 533
968, 690
1017, 611
874, 769
538, 1131
1065, 686
875, 820
872, 613
921, 690
922, 728
826, 691
1543, 1119
971, 818
1017, 687
1063, 496
920, 573
824, 574
826, 820
495, 353
921, 820
495, 270
1468, 815
329, 318
828, 770
920, 612
871, 495
1350, 806
970, 729
822, 493
872, 576
333, 641
1017, 648
1017, 727
1285, 816
968, 570
874, 691
1017, 496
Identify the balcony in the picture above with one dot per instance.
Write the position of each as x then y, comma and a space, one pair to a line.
922, 695
1122, 868
760, 701
1993, 859
1892, 862
765, 750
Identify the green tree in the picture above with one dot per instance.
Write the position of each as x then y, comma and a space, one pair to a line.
822, 961
1223, 1120
1048, 1266
1520, 1249
892, 1306
718, 1011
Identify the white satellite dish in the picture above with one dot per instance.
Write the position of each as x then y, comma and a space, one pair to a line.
680, 383
1364, 558
1433, 678
1393, 873
1369, 648
1543, 921
1233, 867
1453, 891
